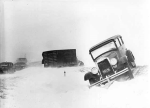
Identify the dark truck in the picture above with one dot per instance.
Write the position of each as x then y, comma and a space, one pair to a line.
112, 60
60, 58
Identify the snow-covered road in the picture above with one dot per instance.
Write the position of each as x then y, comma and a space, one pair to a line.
38, 87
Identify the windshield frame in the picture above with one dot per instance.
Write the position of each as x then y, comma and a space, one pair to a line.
94, 59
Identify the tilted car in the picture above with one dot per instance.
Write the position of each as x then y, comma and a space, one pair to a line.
112, 59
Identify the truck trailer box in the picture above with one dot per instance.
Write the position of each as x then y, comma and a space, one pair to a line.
59, 58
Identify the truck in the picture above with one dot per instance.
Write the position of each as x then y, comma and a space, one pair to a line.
59, 58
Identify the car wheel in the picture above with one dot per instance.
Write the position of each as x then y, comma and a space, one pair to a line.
131, 59
130, 74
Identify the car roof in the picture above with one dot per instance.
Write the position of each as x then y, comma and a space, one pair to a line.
5, 63
104, 42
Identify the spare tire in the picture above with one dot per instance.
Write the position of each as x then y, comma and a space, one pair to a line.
131, 58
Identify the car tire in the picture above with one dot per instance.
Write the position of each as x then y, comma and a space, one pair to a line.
130, 74
131, 59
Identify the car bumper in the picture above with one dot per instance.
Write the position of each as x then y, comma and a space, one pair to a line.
110, 78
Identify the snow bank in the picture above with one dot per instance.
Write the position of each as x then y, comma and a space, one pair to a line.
50, 88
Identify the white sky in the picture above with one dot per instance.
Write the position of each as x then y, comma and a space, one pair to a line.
33, 26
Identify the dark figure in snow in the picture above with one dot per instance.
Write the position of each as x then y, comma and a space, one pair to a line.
64, 73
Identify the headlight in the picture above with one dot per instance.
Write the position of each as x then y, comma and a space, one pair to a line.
94, 70
113, 61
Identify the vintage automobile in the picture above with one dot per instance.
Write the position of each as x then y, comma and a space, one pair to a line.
6, 66
20, 64
112, 60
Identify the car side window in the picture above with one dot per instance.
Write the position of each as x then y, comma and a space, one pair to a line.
120, 41
117, 42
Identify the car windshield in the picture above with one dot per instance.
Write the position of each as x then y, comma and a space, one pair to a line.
103, 49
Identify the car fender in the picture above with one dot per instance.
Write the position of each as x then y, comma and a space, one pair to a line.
88, 76
123, 60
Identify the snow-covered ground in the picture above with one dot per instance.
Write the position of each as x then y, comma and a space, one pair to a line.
38, 87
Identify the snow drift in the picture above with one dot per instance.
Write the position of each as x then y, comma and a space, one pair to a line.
38, 87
